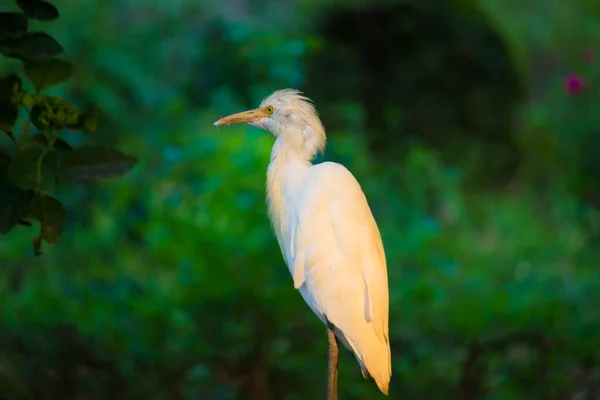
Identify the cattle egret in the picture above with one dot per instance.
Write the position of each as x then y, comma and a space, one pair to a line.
327, 235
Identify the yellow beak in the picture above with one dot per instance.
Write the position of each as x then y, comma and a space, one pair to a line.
247, 117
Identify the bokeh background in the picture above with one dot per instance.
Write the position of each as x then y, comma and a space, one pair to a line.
472, 125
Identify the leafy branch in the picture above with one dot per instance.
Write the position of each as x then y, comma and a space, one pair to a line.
42, 158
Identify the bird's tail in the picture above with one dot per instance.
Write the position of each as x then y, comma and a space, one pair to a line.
377, 364
374, 357
380, 366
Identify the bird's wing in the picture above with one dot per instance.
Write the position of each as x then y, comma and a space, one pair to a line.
339, 252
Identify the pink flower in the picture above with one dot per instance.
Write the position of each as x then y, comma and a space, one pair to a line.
574, 84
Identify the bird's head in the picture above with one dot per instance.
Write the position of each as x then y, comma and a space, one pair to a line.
289, 116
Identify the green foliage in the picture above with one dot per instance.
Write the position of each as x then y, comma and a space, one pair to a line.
93, 163
45, 74
13, 25
34, 167
14, 202
38, 9
9, 111
42, 158
51, 215
31, 46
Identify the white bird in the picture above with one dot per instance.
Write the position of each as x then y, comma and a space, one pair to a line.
327, 234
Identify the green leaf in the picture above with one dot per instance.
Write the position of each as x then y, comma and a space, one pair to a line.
23, 170
8, 117
62, 144
11, 136
8, 111
95, 163
45, 74
14, 202
39, 139
26, 99
13, 24
4, 162
32, 46
51, 214
38, 9
59, 143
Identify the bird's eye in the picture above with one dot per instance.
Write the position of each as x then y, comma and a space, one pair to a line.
269, 109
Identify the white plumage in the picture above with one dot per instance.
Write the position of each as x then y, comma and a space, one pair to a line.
326, 231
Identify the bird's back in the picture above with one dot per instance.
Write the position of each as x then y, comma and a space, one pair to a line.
331, 244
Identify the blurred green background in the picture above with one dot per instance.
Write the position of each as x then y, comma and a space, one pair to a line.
472, 125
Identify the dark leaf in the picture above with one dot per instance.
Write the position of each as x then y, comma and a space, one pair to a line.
32, 46
8, 117
9, 112
51, 214
39, 139
47, 73
38, 9
11, 136
94, 163
9, 86
23, 170
26, 99
59, 143
13, 24
14, 202
4, 162
6, 48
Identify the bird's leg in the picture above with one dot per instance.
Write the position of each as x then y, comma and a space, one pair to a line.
333, 357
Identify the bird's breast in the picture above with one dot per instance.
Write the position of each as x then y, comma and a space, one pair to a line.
284, 188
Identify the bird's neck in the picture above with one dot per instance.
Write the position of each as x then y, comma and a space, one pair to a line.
286, 172
288, 149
